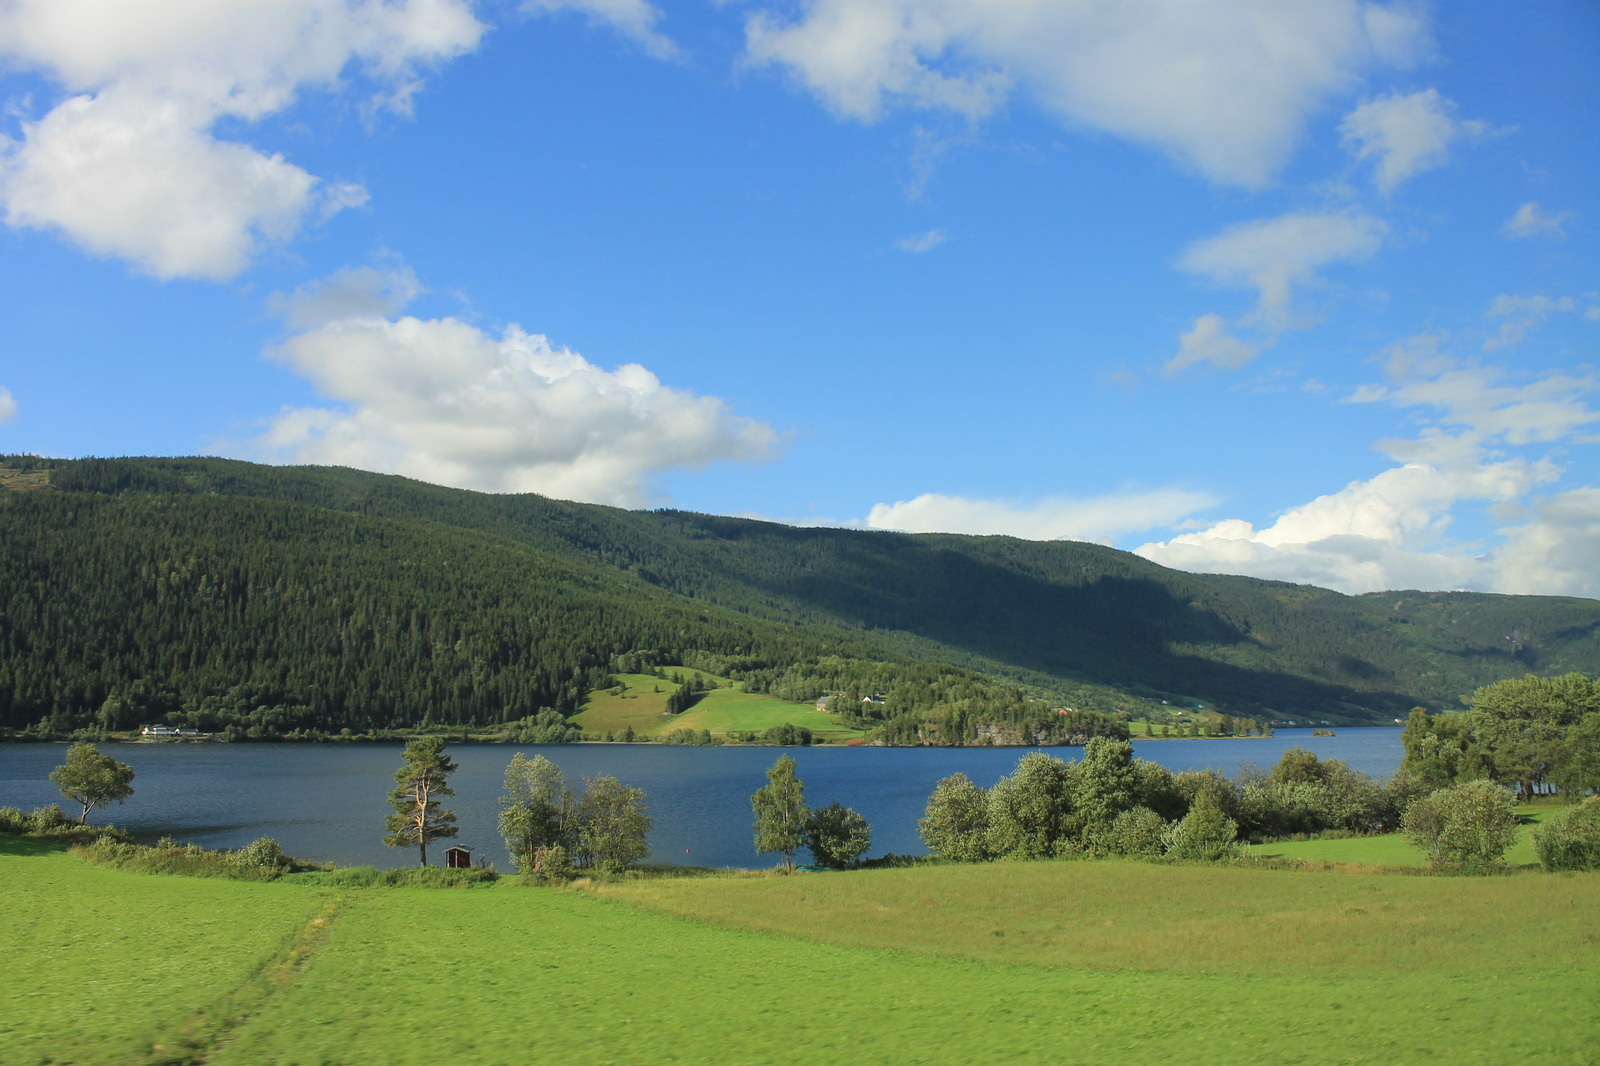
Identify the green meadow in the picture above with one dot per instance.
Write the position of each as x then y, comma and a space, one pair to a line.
1391, 849
723, 710
1063, 962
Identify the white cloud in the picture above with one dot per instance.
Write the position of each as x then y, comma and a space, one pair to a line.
8, 405
354, 292
1389, 531
1209, 341
128, 164
1225, 87
1098, 519
1529, 220
445, 402
634, 19
1405, 135
1556, 552
1274, 255
922, 242
1522, 315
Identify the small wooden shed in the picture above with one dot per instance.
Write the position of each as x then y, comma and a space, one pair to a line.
458, 857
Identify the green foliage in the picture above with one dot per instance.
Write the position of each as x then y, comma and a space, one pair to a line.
1137, 831
1570, 840
420, 786
836, 836
1470, 824
781, 812
1522, 724
1206, 833
537, 812
1030, 810
92, 779
955, 824
263, 853
612, 825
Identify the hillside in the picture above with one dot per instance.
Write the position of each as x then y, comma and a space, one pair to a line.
331, 598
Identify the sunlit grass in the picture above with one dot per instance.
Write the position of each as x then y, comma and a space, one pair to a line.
1147, 917
99, 963
1391, 849
1027, 962
722, 711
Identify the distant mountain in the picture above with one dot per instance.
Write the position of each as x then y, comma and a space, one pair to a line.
284, 598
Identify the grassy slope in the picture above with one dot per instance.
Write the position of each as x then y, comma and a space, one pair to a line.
722, 711
1099, 962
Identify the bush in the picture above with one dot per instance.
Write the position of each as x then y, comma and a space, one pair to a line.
1571, 840
1206, 833
1135, 832
264, 853
47, 819
836, 836
1471, 824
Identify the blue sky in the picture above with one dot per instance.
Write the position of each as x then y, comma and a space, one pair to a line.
1306, 291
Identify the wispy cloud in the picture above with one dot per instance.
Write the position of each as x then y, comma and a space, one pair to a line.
1101, 518
922, 242
1530, 220
1402, 136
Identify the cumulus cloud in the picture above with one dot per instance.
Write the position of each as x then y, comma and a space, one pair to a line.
1222, 86
922, 242
1209, 341
128, 165
1530, 220
1405, 135
443, 401
1389, 531
1274, 255
1556, 552
634, 19
8, 405
1099, 519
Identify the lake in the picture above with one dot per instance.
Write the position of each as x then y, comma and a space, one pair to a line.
326, 802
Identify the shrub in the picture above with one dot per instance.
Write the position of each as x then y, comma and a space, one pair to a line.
1470, 824
1135, 832
1206, 833
263, 853
47, 819
1571, 840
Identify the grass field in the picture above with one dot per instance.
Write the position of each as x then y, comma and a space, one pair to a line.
1067, 962
1391, 849
723, 710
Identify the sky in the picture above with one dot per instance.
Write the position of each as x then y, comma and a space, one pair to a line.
1305, 290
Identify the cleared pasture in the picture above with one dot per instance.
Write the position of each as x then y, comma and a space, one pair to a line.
1028, 962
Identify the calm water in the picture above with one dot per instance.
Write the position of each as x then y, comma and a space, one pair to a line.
326, 801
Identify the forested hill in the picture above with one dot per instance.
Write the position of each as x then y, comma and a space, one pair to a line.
333, 596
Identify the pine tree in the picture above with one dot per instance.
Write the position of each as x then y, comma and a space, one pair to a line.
421, 783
